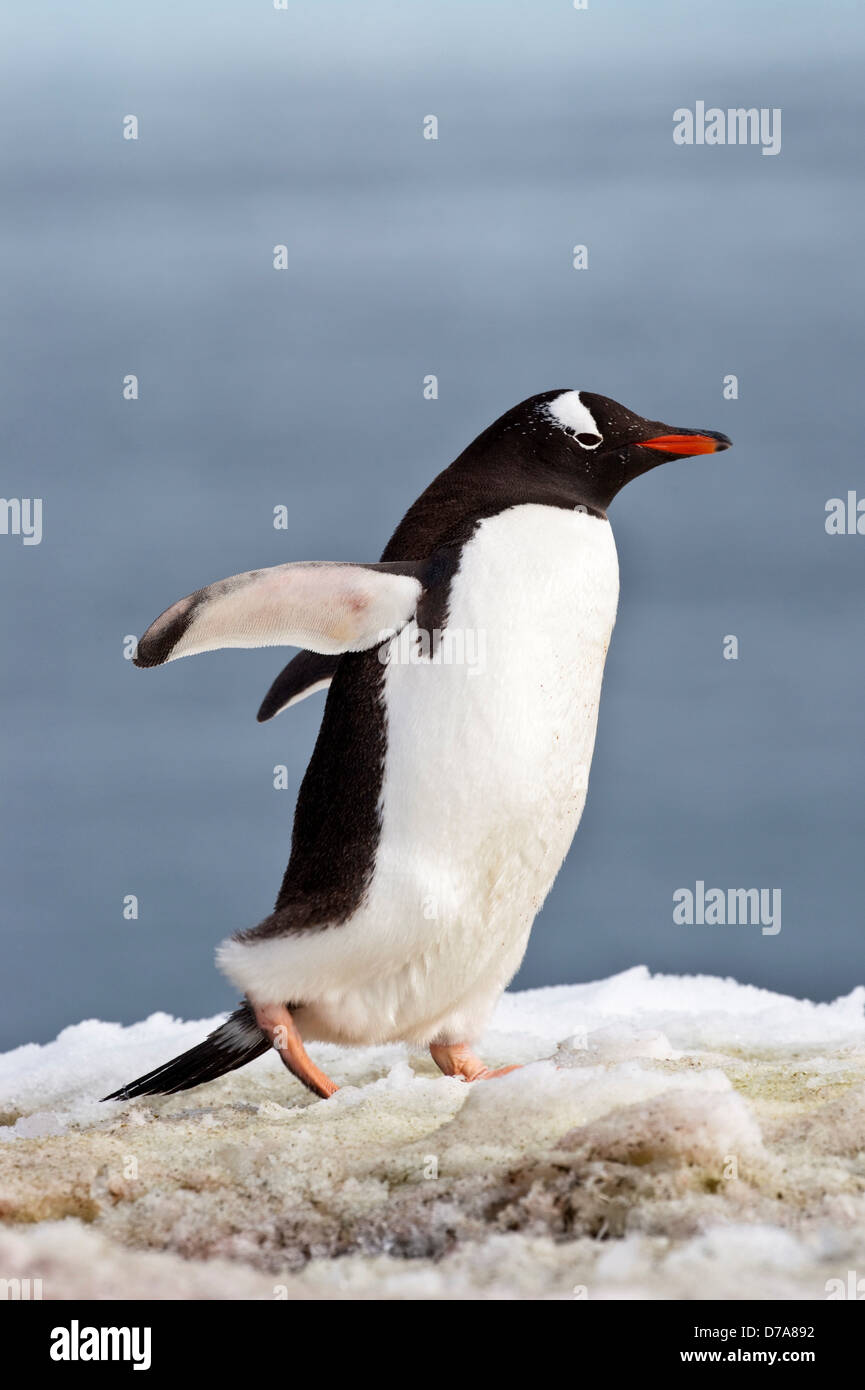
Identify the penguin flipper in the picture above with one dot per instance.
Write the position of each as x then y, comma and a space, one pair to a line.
304, 674
328, 607
234, 1043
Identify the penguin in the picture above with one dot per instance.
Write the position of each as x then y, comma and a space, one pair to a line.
443, 792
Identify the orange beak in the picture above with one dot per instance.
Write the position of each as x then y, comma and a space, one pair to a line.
686, 443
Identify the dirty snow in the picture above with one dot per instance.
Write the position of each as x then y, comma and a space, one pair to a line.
667, 1137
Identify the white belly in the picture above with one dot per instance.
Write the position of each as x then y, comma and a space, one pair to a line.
485, 781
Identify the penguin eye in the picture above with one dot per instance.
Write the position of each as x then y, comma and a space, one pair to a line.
589, 441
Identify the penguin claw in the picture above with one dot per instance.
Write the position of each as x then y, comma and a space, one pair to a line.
276, 1022
457, 1059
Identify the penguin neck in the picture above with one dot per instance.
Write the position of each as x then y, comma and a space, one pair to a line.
486, 480
514, 467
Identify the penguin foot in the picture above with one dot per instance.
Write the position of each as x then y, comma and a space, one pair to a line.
457, 1059
277, 1023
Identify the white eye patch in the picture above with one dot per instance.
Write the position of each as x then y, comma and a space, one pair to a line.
569, 413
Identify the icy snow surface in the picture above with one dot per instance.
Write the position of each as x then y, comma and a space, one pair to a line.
668, 1137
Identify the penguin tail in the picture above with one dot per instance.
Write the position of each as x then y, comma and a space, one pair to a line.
234, 1043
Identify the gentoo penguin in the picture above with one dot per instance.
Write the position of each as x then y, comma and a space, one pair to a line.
443, 792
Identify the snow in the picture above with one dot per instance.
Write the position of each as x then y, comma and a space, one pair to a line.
667, 1137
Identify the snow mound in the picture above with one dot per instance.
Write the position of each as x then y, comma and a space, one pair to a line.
667, 1137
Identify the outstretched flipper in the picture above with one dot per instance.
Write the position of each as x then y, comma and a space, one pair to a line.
234, 1043
329, 608
304, 675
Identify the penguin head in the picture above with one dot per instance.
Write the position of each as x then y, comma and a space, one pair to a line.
601, 444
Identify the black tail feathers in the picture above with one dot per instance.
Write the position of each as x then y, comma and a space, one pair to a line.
234, 1043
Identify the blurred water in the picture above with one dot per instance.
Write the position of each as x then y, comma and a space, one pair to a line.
411, 257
